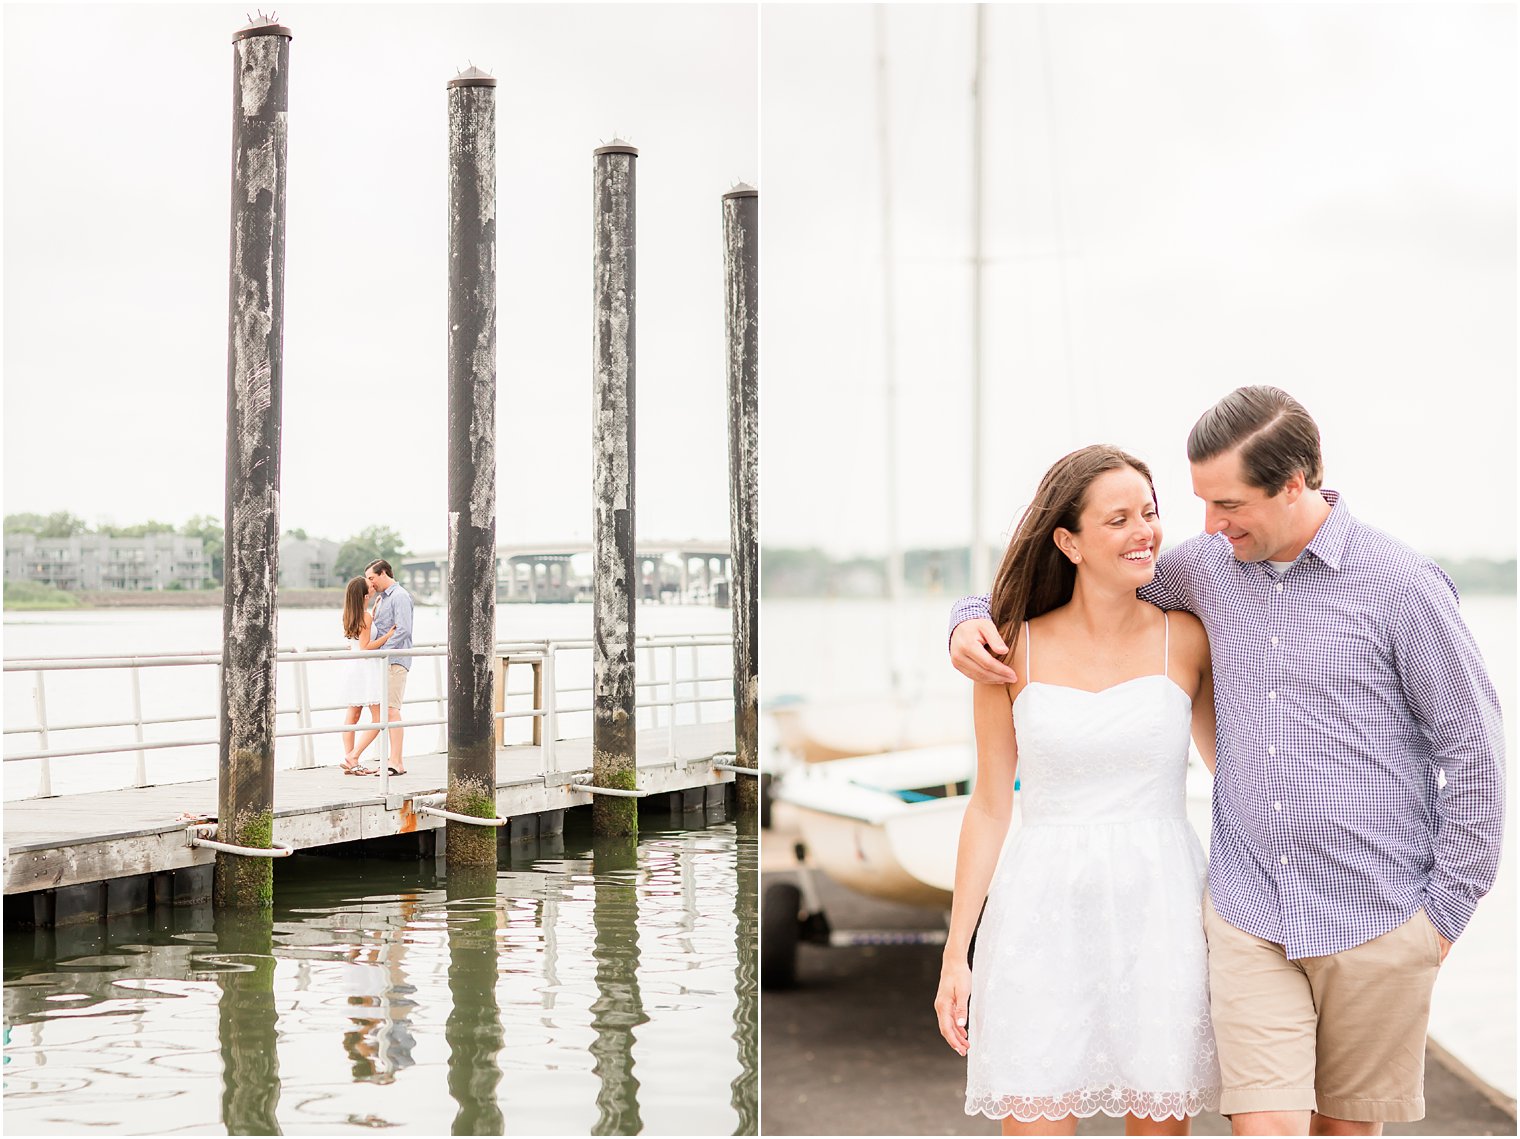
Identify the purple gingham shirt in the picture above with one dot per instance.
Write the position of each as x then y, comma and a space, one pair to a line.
1361, 751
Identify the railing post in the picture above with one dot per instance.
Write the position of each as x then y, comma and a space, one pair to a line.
303, 709
551, 714
443, 728
385, 721
670, 706
696, 683
537, 735
643, 665
137, 718
45, 783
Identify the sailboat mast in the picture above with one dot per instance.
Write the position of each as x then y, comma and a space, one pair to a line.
889, 316
981, 575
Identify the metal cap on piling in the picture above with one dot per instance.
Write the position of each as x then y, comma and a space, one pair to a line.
617, 146
262, 26
742, 190
472, 76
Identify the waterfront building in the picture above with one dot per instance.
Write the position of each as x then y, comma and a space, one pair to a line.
307, 563
101, 562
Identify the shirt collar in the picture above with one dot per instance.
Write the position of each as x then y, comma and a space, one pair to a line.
1334, 533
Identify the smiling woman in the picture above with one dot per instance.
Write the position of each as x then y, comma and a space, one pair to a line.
1092, 913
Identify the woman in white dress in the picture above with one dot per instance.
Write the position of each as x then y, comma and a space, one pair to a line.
363, 680
1089, 991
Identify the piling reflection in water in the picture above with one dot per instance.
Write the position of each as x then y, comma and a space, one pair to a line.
618, 1008
247, 1018
747, 974
473, 1028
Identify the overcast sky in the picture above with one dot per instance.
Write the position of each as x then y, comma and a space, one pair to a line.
117, 188
1180, 199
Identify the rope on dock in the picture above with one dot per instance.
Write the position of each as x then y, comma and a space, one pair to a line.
476, 820
734, 767
582, 781
277, 850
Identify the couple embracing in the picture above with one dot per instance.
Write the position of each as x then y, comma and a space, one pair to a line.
1327, 678
377, 614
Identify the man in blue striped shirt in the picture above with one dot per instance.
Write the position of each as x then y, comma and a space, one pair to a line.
1358, 796
393, 610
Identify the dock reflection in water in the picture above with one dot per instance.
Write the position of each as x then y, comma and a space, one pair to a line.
385, 995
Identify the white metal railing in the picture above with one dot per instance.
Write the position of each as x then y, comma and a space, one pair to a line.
657, 695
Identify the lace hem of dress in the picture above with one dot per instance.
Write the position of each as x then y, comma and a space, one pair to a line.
1086, 1102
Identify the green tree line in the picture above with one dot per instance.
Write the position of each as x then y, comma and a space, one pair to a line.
354, 553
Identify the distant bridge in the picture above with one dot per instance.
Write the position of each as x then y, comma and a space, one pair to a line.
692, 570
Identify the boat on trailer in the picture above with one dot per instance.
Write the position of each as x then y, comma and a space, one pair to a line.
884, 825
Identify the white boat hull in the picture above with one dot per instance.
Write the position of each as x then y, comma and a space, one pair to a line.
861, 832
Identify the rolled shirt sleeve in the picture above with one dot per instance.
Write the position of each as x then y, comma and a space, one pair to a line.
972, 608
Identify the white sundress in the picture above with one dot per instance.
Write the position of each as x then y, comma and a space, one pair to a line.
363, 680
1089, 984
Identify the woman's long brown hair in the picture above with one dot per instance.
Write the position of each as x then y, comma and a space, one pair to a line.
1034, 576
353, 607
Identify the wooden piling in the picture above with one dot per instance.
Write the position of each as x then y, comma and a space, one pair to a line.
256, 303
741, 276
615, 580
472, 464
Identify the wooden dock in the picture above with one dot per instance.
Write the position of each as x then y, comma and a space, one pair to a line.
136, 837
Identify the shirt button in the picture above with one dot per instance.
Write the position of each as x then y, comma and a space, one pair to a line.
1285, 860
1272, 695
1279, 587
1277, 806
1271, 749
1274, 640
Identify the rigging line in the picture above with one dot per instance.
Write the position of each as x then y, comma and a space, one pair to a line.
889, 328
931, 61
978, 568
1047, 69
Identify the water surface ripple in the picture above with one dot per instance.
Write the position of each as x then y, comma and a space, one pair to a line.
587, 986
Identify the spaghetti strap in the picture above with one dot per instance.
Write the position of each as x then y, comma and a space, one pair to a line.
1166, 655
1027, 677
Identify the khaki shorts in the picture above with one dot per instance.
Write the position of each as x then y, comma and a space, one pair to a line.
1343, 1034
397, 685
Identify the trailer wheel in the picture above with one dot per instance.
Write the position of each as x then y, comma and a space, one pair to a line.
780, 924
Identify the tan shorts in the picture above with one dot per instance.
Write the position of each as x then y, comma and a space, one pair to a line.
1343, 1034
397, 685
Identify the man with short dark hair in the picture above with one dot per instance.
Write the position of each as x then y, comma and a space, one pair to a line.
393, 610
1358, 795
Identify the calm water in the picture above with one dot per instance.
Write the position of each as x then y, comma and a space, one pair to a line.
588, 986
